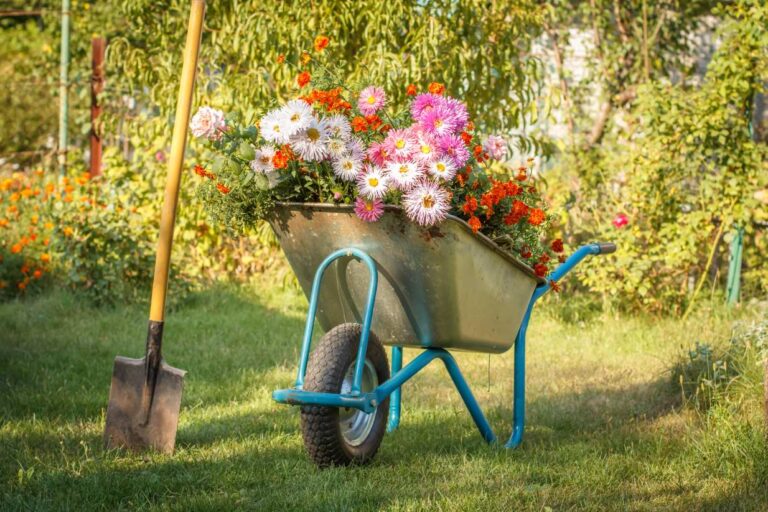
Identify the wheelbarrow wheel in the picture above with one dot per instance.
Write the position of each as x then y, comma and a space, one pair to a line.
342, 436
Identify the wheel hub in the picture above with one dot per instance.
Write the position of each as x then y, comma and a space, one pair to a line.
356, 424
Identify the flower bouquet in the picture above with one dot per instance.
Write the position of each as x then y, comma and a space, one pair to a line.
346, 145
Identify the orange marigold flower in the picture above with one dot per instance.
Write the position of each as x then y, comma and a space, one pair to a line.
16, 248
22, 286
470, 126
222, 188
374, 121
200, 171
522, 175
14, 197
512, 188
280, 58
477, 150
35, 219
303, 78
321, 42
470, 204
280, 160
436, 88
540, 269
475, 224
3, 223
554, 285
467, 138
518, 211
557, 245
24, 268
45, 257
305, 58
536, 217
48, 225
411, 90
37, 274
12, 209
68, 231
359, 124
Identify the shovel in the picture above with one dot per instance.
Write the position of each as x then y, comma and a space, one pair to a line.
145, 396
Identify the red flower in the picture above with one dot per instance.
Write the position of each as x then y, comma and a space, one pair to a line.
557, 245
518, 211
436, 88
222, 188
321, 42
525, 253
512, 188
200, 171
470, 205
540, 269
543, 258
467, 138
536, 217
303, 78
487, 200
554, 285
374, 121
474, 223
280, 58
410, 90
477, 150
359, 124
522, 175
620, 221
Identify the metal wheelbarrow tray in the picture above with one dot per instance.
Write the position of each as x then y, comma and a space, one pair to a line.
438, 287
399, 284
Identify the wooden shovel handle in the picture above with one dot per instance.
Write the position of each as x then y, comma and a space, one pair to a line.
178, 144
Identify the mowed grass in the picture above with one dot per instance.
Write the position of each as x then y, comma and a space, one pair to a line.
606, 428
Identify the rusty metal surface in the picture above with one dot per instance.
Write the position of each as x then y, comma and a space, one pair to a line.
438, 287
127, 424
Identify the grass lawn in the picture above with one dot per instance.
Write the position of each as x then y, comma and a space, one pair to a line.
606, 429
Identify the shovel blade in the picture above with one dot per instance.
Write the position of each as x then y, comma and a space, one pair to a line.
127, 425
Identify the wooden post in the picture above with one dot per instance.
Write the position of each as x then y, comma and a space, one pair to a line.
98, 47
64, 87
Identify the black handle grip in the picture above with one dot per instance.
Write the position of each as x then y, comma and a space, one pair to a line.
607, 247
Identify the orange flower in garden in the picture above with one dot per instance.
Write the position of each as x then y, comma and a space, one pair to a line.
16, 248
68, 231
557, 245
12, 209
470, 126
536, 217
280, 58
540, 269
22, 286
280, 160
222, 188
411, 90
37, 274
3, 223
200, 171
303, 78
35, 219
374, 121
519, 210
48, 225
359, 124
477, 150
470, 205
522, 174
436, 88
321, 42
49, 188
305, 58
554, 285
45, 257
14, 197
467, 138
24, 269
475, 224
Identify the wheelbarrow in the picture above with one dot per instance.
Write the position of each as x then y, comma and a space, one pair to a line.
395, 283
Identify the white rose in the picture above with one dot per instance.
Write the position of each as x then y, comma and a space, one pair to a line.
208, 122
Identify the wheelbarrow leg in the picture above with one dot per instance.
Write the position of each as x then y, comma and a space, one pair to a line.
394, 398
518, 407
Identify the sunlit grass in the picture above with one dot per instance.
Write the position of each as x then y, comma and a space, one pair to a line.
606, 429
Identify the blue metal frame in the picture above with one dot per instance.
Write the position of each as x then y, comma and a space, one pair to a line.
368, 402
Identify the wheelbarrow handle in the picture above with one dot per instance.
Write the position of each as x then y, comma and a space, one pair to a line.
573, 260
606, 247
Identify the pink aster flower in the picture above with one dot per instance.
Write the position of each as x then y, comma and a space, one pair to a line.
426, 150
495, 146
369, 210
427, 203
371, 100
377, 153
424, 103
439, 120
453, 147
400, 143
458, 111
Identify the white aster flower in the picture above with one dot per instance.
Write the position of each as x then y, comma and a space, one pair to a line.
208, 122
442, 168
347, 167
272, 128
262, 162
356, 147
336, 147
296, 115
338, 126
311, 142
427, 203
373, 182
403, 175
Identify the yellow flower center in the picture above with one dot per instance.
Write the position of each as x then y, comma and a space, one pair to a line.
369, 206
276, 128
438, 123
374, 182
428, 201
347, 165
403, 169
313, 134
265, 159
426, 149
440, 166
400, 144
371, 99
295, 117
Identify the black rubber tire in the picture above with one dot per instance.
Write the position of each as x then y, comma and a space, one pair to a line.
320, 427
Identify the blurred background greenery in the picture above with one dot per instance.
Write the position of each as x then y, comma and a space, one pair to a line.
642, 110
